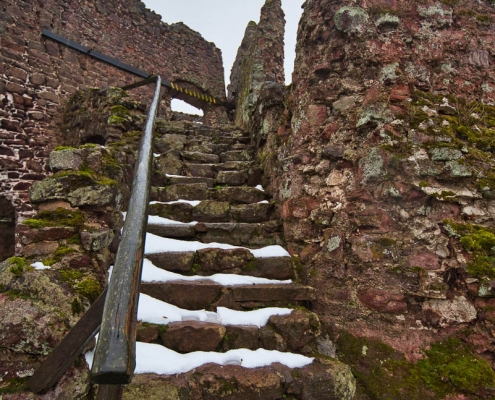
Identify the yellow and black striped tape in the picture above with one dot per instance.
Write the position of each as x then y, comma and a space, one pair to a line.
199, 96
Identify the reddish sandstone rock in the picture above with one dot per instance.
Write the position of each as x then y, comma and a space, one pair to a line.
383, 301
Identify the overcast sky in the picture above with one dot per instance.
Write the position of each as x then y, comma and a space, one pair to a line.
223, 22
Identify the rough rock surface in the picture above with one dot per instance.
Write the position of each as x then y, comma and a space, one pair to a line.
260, 59
381, 159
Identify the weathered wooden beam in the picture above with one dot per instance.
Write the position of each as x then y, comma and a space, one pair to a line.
71, 346
115, 354
110, 392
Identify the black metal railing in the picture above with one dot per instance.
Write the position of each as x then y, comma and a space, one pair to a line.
115, 354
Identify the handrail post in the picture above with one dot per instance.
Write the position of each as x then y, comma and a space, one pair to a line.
115, 354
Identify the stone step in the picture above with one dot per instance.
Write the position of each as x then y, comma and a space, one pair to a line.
323, 379
198, 157
208, 295
206, 145
238, 195
194, 191
214, 211
238, 261
233, 233
188, 180
295, 332
229, 173
237, 155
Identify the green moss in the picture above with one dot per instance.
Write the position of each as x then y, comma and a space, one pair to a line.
18, 266
484, 18
18, 261
480, 242
250, 266
16, 294
89, 288
84, 174
450, 366
119, 115
76, 306
89, 146
70, 275
85, 286
74, 240
59, 217
58, 255
59, 148
13, 385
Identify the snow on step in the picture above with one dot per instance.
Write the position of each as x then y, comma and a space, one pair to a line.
193, 203
158, 312
157, 244
150, 359
151, 273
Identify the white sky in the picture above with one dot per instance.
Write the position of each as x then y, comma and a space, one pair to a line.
223, 22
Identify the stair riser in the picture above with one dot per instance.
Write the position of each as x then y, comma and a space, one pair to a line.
209, 295
192, 263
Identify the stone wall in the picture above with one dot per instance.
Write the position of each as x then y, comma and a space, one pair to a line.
387, 159
381, 157
37, 75
260, 59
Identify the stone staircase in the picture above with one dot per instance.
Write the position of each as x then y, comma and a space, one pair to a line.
210, 222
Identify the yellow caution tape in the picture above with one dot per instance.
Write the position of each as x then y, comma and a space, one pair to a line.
200, 96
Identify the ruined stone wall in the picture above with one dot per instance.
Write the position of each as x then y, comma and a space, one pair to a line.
37, 75
381, 158
260, 59
387, 159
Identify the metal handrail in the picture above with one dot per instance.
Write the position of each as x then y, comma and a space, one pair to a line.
115, 354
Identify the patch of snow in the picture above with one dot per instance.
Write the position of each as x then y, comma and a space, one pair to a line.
150, 359
258, 318
151, 273
175, 176
263, 202
155, 219
40, 266
194, 203
270, 251
259, 187
158, 312
156, 154
158, 244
